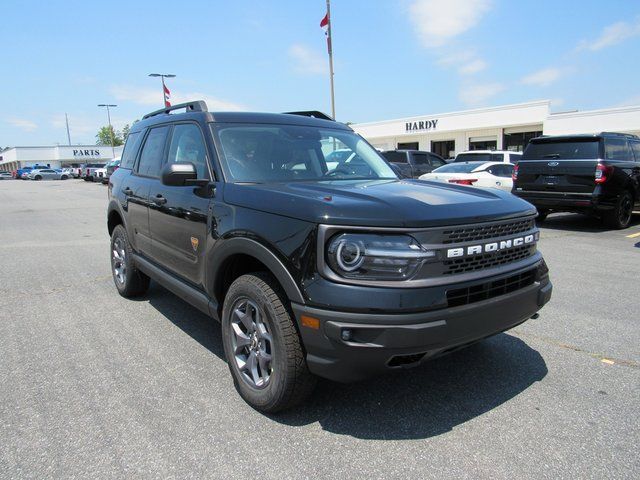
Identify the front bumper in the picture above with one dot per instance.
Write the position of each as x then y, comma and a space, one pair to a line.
383, 342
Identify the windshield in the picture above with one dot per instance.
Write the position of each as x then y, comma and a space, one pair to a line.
256, 153
466, 167
567, 150
473, 157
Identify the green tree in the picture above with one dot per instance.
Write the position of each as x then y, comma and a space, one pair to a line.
103, 137
125, 132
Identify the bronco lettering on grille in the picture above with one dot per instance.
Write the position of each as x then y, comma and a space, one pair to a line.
493, 246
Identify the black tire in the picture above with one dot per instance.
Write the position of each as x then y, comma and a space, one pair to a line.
542, 215
289, 380
620, 216
37, 178
63, 177
132, 282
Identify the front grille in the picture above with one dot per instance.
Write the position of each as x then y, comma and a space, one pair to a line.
487, 260
482, 232
485, 291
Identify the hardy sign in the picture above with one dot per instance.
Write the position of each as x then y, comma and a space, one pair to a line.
421, 125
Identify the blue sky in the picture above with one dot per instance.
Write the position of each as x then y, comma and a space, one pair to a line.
392, 58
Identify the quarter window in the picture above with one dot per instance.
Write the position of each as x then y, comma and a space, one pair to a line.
130, 150
152, 152
636, 150
616, 149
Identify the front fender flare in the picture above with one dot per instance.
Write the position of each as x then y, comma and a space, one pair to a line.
247, 246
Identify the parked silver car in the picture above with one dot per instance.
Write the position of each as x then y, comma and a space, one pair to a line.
47, 174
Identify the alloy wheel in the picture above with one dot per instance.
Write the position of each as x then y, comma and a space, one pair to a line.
118, 256
252, 343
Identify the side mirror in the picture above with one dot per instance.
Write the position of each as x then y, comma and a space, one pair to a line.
178, 174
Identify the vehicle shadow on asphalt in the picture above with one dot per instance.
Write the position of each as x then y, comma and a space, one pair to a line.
418, 403
575, 222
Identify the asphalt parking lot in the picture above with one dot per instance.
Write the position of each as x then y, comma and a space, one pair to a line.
93, 385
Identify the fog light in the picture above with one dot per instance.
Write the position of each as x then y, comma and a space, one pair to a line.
346, 335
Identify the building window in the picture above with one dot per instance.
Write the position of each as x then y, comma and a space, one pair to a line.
516, 142
444, 148
408, 146
483, 144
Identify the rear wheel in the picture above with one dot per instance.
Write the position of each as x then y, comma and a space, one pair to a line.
63, 177
542, 215
620, 216
37, 177
129, 281
262, 345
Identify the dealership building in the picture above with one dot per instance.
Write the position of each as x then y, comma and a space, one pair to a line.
507, 127
57, 156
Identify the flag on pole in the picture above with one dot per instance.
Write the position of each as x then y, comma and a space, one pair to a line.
167, 95
324, 24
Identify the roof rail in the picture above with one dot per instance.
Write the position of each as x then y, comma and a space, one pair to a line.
313, 114
628, 135
195, 106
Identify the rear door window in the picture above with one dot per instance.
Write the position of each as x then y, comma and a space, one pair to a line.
587, 149
616, 149
152, 152
497, 157
420, 159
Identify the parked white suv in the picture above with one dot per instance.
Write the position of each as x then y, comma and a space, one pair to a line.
489, 156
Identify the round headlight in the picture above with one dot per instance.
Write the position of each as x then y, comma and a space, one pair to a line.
349, 255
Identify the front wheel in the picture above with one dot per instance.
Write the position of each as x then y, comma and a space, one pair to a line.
542, 215
37, 177
262, 345
620, 216
129, 281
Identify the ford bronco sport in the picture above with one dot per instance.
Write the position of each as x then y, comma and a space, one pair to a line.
343, 272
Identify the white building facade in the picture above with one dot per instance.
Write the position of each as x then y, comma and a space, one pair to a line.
507, 127
58, 156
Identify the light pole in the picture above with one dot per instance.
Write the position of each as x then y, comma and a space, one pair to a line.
164, 88
113, 150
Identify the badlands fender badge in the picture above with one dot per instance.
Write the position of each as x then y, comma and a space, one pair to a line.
194, 243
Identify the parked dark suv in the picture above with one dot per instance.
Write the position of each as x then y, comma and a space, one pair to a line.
413, 163
592, 174
341, 272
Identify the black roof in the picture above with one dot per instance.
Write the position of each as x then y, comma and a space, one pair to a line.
198, 111
582, 136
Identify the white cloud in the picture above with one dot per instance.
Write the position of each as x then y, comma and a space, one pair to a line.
465, 62
307, 61
542, 78
475, 95
472, 67
612, 35
26, 125
153, 97
438, 21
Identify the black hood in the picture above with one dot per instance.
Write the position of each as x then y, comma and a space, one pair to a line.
382, 203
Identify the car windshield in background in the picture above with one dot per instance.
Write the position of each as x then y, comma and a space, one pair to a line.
473, 157
255, 153
466, 167
569, 150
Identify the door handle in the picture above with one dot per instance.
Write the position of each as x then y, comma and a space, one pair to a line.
127, 191
159, 200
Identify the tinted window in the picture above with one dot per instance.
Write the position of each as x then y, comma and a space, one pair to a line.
458, 167
420, 159
636, 149
130, 150
473, 157
515, 157
497, 157
187, 145
395, 157
437, 161
562, 150
151, 156
504, 170
616, 149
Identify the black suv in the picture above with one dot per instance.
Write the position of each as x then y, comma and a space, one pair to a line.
413, 163
342, 272
592, 174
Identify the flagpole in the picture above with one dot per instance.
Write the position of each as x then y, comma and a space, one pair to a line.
330, 49
164, 93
